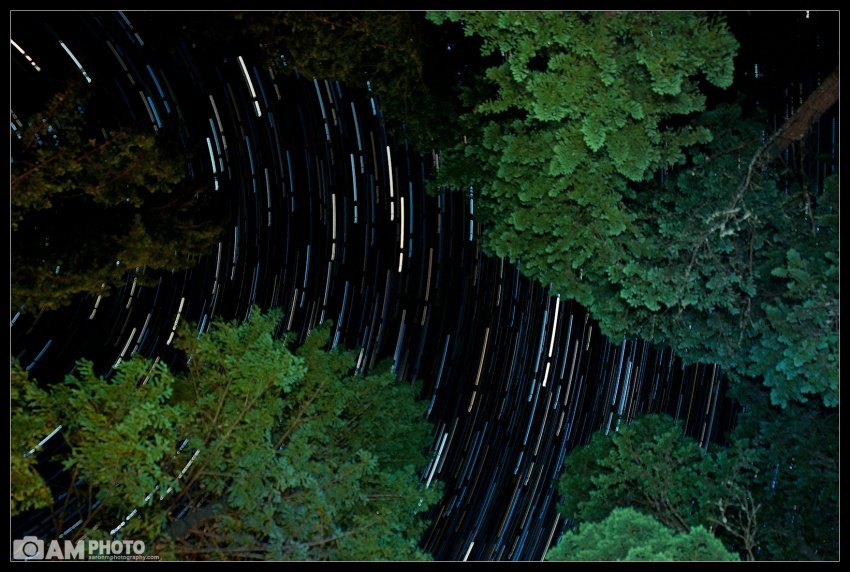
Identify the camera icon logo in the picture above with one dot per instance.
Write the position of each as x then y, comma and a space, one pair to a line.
28, 548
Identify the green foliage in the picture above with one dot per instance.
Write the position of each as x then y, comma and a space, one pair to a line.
608, 124
250, 452
119, 445
798, 356
361, 445
591, 168
551, 158
31, 419
237, 379
88, 205
649, 464
628, 535
58, 161
732, 273
771, 494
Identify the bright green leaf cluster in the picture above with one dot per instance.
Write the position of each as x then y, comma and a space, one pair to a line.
629, 535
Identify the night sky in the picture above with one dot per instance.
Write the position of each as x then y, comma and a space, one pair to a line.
328, 218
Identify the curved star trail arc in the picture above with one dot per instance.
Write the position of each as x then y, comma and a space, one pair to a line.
330, 220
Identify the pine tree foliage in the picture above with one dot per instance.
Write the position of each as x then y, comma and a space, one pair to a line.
650, 465
59, 154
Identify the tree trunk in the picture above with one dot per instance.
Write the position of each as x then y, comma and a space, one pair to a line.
799, 123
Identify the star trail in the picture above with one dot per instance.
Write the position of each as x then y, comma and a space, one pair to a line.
330, 218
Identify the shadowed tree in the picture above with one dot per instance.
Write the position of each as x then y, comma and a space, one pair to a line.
31, 419
791, 472
739, 266
397, 54
90, 204
771, 494
650, 465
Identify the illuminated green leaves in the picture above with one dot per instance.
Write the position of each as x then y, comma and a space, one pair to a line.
581, 117
628, 535
120, 446
270, 453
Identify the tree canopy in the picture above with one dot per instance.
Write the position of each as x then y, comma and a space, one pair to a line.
249, 452
747, 493
650, 465
793, 475
89, 204
629, 535
597, 165
393, 56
